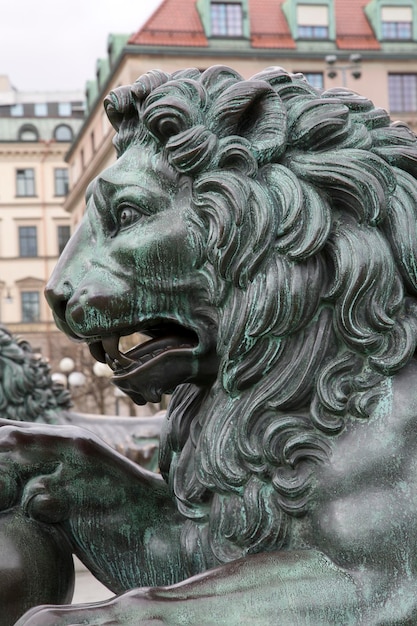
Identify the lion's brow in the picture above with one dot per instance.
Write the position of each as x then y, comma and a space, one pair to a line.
148, 198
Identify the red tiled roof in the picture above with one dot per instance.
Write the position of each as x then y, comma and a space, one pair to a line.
268, 26
353, 31
177, 23
174, 23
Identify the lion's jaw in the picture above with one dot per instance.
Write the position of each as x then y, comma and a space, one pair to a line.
171, 355
131, 268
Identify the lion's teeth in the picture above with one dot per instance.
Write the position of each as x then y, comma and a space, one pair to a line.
97, 351
111, 347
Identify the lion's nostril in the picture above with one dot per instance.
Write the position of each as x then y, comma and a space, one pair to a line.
60, 310
83, 297
57, 298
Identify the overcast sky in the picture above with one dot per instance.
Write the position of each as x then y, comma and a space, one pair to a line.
48, 45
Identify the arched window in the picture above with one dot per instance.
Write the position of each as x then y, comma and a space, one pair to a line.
63, 133
27, 132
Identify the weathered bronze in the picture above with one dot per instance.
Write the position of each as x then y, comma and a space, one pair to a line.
263, 235
35, 560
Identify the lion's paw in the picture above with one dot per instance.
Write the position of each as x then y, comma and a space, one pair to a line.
45, 498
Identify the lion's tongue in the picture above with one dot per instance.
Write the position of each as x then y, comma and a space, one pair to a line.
141, 353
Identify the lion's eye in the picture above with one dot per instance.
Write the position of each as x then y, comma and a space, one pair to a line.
127, 215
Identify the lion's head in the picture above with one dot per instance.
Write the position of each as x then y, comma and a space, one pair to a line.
27, 390
263, 235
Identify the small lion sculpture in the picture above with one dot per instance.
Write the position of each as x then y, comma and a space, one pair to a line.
262, 234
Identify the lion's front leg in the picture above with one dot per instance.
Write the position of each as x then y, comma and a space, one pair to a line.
106, 504
45, 469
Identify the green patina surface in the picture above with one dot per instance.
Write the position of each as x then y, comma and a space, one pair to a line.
262, 235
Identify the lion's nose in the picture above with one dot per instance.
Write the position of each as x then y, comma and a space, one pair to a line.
57, 297
91, 297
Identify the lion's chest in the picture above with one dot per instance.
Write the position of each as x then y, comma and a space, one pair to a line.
365, 504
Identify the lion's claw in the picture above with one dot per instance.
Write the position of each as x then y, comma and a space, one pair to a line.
45, 498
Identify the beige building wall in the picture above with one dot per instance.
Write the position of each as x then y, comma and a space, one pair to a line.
45, 212
33, 222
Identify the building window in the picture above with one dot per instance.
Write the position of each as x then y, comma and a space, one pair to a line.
313, 21
63, 133
402, 90
397, 22
41, 109
226, 19
315, 79
30, 306
28, 133
25, 182
64, 109
28, 241
16, 110
61, 181
63, 237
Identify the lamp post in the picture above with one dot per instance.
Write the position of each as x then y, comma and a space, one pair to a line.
67, 376
353, 65
102, 371
70, 379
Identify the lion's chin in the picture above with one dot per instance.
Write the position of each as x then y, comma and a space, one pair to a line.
147, 383
157, 366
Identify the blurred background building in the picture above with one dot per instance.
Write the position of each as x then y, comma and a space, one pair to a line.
370, 47
36, 132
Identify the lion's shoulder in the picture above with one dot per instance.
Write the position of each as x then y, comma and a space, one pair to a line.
370, 477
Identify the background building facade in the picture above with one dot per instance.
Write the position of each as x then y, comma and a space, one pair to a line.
36, 131
370, 47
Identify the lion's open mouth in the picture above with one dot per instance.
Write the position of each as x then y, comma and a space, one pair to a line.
162, 339
153, 367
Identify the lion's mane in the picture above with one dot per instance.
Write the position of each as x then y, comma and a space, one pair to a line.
305, 211
27, 391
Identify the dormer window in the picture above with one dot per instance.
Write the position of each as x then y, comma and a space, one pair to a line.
313, 21
393, 20
28, 132
397, 22
63, 132
226, 19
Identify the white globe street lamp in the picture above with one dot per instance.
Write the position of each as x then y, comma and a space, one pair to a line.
76, 379
66, 365
59, 378
68, 377
102, 370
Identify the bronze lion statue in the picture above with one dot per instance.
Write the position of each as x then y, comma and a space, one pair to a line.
262, 235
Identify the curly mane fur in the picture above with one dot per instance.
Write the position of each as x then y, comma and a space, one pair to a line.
27, 391
305, 211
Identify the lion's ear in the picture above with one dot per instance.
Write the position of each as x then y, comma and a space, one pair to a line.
253, 110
